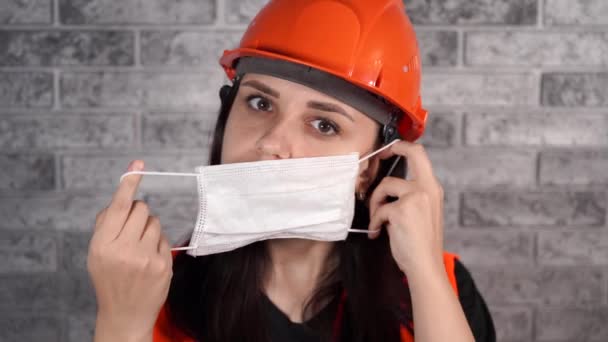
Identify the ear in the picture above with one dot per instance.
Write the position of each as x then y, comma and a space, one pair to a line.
368, 171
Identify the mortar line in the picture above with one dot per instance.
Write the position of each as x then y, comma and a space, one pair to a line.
461, 49
137, 49
56, 89
56, 17
540, 15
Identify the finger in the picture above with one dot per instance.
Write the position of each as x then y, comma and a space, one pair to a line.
136, 223
381, 216
99, 218
151, 236
418, 162
389, 186
120, 206
164, 248
386, 153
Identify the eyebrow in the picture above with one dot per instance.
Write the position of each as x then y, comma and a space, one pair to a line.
329, 107
322, 106
262, 87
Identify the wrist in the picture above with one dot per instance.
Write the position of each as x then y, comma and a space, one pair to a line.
107, 330
424, 272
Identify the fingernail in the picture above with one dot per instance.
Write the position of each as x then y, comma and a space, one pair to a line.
130, 167
137, 165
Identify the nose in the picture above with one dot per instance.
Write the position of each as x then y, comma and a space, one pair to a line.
274, 142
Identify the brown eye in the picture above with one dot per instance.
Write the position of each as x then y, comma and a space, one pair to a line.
325, 127
259, 103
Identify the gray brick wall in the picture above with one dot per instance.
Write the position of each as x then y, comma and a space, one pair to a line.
518, 135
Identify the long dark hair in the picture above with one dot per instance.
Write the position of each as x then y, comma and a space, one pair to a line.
219, 297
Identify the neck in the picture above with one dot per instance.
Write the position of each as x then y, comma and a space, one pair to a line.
297, 267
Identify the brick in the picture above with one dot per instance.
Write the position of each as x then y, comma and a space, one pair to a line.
450, 209
186, 48
584, 167
177, 215
65, 48
26, 12
27, 171
572, 324
575, 89
534, 208
57, 131
576, 12
72, 212
33, 327
512, 323
178, 131
442, 130
137, 12
438, 48
573, 248
33, 251
540, 285
466, 12
478, 89
491, 248
536, 129
29, 292
74, 251
536, 49
484, 167
82, 172
77, 293
242, 11
142, 89
26, 89
81, 327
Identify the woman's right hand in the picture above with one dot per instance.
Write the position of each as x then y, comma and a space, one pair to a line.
130, 265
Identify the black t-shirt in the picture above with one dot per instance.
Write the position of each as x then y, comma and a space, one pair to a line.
473, 305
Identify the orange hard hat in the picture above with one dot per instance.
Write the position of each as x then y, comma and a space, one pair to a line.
368, 43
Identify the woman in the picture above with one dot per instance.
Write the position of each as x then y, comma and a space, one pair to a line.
310, 78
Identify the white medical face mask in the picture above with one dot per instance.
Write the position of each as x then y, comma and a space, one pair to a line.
241, 203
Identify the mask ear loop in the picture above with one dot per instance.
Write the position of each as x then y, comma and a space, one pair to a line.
156, 173
379, 150
367, 231
187, 248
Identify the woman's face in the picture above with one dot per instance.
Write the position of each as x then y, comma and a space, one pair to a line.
272, 118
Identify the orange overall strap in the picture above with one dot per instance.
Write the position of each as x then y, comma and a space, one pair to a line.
164, 331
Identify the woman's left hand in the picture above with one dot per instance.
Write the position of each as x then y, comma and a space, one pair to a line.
415, 220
